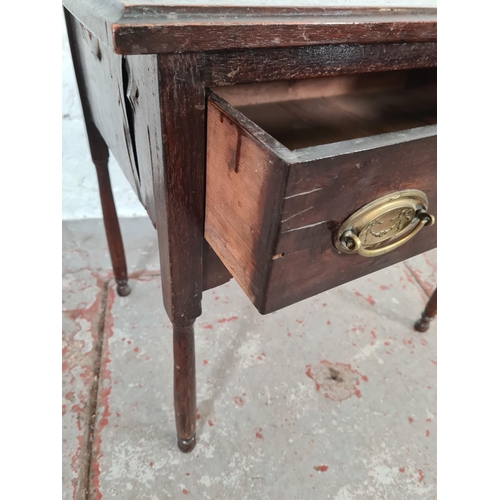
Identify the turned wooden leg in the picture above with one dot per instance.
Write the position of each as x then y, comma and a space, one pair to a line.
185, 385
422, 325
100, 154
112, 226
180, 215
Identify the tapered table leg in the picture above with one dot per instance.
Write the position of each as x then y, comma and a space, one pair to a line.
185, 385
430, 312
100, 154
112, 226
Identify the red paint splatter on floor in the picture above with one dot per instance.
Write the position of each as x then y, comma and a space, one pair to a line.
238, 401
427, 433
299, 321
198, 416
289, 334
188, 474
354, 344
136, 349
410, 420
427, 419
423, 342
207, 327
185, 491
117, 414
217, 297
151, 464
328, 322
324, 304
258, 435
321, 468
420, 475
368, 299
372, 334
434, 362
383, 287
387, 343
210, 423
364, 377
401, 469
205, 362
309, 374
227, 320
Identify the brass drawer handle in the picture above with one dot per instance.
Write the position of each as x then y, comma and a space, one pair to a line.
384, 224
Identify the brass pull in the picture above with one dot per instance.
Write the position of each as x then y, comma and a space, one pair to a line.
384, 224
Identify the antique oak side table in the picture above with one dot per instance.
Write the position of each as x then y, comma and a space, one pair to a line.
292, 148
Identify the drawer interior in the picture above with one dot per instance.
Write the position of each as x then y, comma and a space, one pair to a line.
306, 113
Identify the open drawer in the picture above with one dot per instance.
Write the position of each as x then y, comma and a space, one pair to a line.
290, 163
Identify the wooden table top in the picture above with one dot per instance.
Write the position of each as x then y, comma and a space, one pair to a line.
163, 26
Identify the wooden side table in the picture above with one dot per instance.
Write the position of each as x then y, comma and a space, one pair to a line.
292, 148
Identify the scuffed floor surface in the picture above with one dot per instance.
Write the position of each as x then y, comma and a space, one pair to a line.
332, 398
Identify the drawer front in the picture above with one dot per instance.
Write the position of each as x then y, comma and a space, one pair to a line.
321, 194
272, 212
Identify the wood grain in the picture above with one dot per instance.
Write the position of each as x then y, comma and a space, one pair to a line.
101, 80
179, 182
324, 185
215, 272
265, 65
100, 156
244, 186
163, 28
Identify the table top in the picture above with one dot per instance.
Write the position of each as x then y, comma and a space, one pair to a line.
154, 26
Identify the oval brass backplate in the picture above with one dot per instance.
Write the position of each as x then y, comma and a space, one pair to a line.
384, 224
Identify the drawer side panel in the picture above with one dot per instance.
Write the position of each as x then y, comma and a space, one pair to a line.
244, 190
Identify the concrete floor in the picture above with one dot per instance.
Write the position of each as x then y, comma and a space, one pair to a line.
272, 423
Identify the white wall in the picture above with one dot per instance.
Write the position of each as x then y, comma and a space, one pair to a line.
80, 195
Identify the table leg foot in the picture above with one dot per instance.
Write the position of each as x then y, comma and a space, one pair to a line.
186, 445
430, 312
123, 288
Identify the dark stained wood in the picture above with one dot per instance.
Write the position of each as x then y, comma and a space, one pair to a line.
132, 28
179, 184
142, 110
270, 209
102, 81
265, 65
332, 188
247, 209
112, 227
430, 312
185, 384
99, 153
